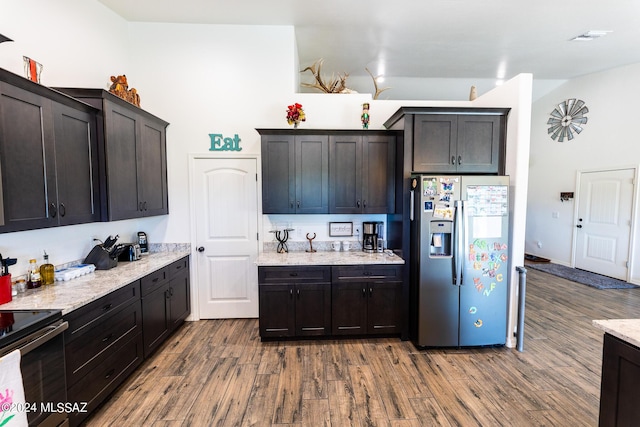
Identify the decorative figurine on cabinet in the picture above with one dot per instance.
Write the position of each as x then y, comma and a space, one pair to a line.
365, 115
120, 88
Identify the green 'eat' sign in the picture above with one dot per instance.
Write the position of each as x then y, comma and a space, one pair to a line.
218, 143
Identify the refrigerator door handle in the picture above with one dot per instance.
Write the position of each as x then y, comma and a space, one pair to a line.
459, 248
412, 205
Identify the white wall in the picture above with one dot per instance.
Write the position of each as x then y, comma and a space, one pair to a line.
207, 79
79, 43
609, 139
441, 89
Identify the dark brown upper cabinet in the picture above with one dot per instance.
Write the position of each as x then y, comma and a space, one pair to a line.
295, 172
48, 157
362, 173
453, 140
135, 158
327, 171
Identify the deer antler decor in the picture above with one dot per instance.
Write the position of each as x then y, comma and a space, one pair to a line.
335, 85
375, 85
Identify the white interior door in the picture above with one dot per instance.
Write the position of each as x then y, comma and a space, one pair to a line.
226, 215
605, 207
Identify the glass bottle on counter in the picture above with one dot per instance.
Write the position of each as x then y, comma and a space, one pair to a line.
34, 281
47, 271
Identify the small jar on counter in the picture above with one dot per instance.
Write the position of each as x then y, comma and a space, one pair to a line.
20, 285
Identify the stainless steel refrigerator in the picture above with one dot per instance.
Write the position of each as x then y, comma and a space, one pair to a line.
459, 260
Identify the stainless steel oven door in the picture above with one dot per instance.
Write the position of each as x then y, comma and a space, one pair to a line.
43, 374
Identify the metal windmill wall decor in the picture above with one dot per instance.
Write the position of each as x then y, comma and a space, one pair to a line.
567, 119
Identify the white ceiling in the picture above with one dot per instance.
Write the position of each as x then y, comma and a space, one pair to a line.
487, 39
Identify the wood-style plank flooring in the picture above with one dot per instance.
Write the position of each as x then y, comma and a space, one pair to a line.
218, 372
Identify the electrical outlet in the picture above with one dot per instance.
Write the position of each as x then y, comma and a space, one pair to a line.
555, 215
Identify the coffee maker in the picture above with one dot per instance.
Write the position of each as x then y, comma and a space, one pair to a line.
143, 242
370, 232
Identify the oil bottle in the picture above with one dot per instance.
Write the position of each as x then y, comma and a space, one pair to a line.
47, 271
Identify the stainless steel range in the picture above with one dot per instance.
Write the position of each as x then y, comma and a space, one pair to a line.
38, 336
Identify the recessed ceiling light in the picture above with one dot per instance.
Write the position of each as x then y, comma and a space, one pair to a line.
590, 35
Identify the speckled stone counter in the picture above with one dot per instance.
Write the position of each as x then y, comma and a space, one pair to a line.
326, 258
627, 330
72, 294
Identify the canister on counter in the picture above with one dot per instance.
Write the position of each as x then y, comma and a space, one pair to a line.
20, 285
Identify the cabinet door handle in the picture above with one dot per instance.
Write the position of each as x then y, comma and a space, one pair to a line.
166, 294
140, 206
145, 205
453, 160
459, 160
62, 209
106, 307
298, 203
293, 274
291, 292
358, 203
364, 203
171, 291
291, 205
52, 210
364, 292
370, 291
298, 292
108, 374
107, 338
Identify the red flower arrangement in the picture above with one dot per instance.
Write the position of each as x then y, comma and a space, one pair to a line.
295, 114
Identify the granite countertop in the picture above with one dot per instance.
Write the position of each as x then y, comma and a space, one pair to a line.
75, 293
626, 329
326, 258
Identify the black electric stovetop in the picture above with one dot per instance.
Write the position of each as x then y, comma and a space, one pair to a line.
16, 324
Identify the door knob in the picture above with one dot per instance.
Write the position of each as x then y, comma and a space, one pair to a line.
201, 249
579, 226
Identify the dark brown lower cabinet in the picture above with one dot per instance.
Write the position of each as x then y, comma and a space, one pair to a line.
165, 303
294, 301
180, 295
619, 398
155, 310
324, 301
109, 338
103, 345
366, 300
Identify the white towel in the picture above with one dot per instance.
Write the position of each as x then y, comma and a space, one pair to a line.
12, 402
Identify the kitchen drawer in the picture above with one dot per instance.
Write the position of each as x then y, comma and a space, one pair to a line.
152, 281
84, 354
268, 275
103, 379
178, 266
95, 312
367, 272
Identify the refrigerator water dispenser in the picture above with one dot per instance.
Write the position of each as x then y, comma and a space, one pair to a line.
441, 239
